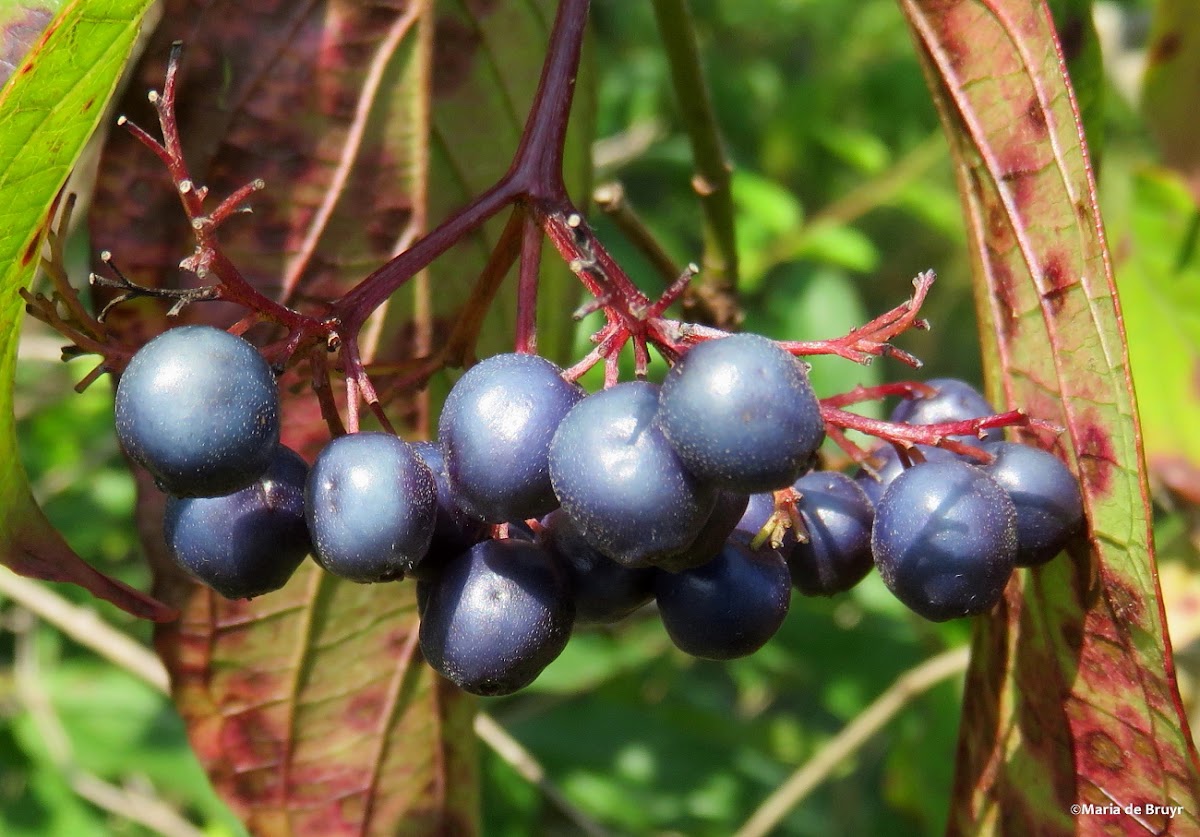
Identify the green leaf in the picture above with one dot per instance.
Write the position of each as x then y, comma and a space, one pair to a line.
1071, 695
48, 109
1160, 299
120, 728
861, 149
839, 245
1169, 86
765, 212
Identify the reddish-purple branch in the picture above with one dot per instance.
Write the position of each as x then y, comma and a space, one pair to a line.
536, 171
874, 338
535, 176
527, 286
208, 258
357, 304
933, 435
674, 291
903, 389
600, 274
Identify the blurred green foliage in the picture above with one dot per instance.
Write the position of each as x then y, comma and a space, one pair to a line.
844, 192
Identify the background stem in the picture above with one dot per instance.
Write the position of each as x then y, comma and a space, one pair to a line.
711, 181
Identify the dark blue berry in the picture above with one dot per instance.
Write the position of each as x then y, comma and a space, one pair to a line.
1046, 496
728, 607
945, 539
604, 590
371, 505
247, 543
955, 400
837, 516
496, 615
495, 431
199, 409
741, 413
620, 480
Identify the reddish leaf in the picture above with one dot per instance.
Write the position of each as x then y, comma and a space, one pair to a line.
311, 708
1071, 695
313, 714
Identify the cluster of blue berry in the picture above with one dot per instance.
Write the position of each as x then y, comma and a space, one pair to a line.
637, 492
541, 508
949, 530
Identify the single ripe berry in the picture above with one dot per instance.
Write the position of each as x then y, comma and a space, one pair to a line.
247, 543
371, 505
741, 413
837, 516
1046, 496
620, 480
954, 400
945, 539
604, 591
495, 616
199, 409
729, 607
495, 431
